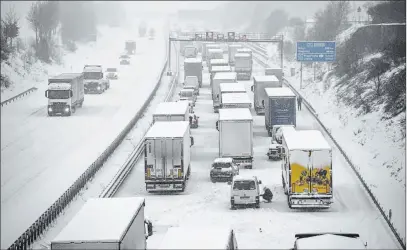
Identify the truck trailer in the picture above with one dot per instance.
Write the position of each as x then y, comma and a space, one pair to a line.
231, 88
167, 154
65, 93
280, 108
213, 54
190, 51
217, 69
259, 84
203, 52
199, 238
217, 62
106, 223
235, 128
235, 100
307, 169
278, 72
243, 66
193, 67
207, 48
219, 78
171, 111
232, 51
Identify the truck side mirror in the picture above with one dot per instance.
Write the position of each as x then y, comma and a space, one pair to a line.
70, 93
229, 183
252, 88
192, 141
46, 93
150, 228
217, 125
259, 181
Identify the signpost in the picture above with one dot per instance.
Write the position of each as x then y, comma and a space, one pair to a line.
315, 51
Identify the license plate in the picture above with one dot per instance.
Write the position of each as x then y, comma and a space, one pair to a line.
164, 185
244, 197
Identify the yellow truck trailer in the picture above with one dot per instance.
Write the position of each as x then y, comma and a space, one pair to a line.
307, 169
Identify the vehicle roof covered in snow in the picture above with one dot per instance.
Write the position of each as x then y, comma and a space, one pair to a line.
192, 60
223, 68
65, 77
164, 129
186, 89
273, 68
59, 86
235, 45
223, 160
172, 108
329, 241
305, 140
235, 98
225, 76
283, 92
243, 178
191, 237
219, 61
268, 78
235, 114
232, 87
245, 50
115, 213
242, 55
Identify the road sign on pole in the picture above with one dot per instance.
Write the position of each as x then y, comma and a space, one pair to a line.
318, 51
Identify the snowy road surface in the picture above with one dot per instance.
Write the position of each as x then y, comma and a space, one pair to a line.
273, 225
42, 156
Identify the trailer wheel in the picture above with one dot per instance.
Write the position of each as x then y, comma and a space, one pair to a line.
249, 166
284, 187
80, 104
288, 202
232, 206
257, 205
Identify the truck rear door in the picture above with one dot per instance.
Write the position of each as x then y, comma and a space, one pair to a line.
320, 172
159, 155
300, 164
168, 158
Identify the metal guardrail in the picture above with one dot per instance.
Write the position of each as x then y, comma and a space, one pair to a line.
360, 177
39, 226
12, 99
119, 178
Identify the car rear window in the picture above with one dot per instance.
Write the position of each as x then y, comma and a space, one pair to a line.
244, 185
221, 165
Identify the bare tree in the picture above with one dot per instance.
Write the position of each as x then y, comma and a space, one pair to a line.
10, 26
34, 20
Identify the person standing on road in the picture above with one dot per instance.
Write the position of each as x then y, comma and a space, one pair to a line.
299, 101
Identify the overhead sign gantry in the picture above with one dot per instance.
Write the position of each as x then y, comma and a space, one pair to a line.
228, 37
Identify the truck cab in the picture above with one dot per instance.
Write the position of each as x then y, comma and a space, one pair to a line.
124, 60
192, 83
94, 79
275, 150
243, 66
130, 47
111, 74
190, 51
187, 94
223, 169
245, 191
278, 132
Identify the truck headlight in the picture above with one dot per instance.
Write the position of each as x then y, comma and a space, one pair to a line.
49, 109
66, 109
98, 87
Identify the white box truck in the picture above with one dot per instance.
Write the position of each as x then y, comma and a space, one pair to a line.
106, 223
219, 78
207, 48
193, 67
192, 82
259, 84
171, 111
65, 93
213, 54
190, 51
243, 66
217, 69
307, 169
217, 62
167, 153
203, 52
227, 87
278, 72
235, 128
235, 100
199, 238
232, 51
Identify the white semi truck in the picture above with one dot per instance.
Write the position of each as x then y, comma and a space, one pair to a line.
106, 223
208, 47
232, 51
193, 67
190, 51
95, 82
278, 72
213, 54
217, 80
235, 128
243, 66
227, 87
217, 62
167, 161
65, 93
307, 169
259, 84
235, 100
171, 111
203, 52
217, 69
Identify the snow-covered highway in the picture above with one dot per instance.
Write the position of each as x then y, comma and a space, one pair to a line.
273, 225
42, 156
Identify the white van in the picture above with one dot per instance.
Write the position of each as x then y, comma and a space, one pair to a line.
328, 241
244, 191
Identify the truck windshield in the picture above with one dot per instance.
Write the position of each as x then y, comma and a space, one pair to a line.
92, 75
244, 185
186, 93
58, 94
111, 70
221, 165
